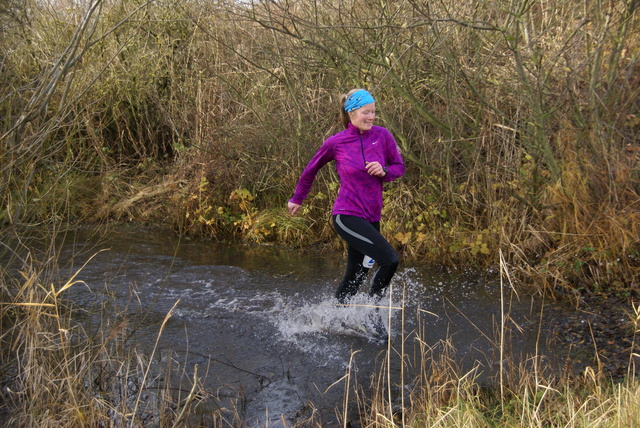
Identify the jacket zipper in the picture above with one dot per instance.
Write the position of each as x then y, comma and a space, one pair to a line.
362, 149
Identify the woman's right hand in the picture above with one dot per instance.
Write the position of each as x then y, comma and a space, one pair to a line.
293, 208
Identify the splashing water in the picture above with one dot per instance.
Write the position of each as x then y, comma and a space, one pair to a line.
266, 323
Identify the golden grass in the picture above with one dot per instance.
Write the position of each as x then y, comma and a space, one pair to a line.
57, 374
519, 126
526, 393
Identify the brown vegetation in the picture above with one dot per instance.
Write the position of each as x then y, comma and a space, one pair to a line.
519, 122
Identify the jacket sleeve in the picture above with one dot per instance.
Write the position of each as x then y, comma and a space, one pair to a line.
324, 155
395, 163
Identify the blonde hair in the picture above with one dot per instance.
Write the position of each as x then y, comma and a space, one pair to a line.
344, 116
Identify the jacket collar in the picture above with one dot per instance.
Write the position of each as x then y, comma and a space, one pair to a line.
354, 130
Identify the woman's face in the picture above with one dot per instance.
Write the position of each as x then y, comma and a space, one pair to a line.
362, 118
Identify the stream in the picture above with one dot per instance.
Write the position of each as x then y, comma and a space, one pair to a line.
262, 326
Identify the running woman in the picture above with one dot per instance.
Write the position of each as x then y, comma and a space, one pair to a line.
365, 156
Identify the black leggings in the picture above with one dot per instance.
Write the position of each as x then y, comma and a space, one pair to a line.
364, 238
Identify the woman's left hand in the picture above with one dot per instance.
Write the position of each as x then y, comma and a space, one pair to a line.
374, 168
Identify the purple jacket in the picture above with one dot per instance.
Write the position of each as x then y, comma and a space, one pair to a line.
360, 194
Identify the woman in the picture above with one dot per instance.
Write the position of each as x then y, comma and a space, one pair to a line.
366, 156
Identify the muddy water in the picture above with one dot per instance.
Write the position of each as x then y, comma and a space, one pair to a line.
263, 328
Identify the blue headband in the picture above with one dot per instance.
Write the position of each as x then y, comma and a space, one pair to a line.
358, 99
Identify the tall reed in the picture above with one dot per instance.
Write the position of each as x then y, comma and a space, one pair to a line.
505, 390
58, 370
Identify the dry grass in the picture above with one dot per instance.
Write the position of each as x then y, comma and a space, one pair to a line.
519, 124
56, 373
525, 392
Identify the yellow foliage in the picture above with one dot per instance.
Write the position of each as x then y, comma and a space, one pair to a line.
403, 238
